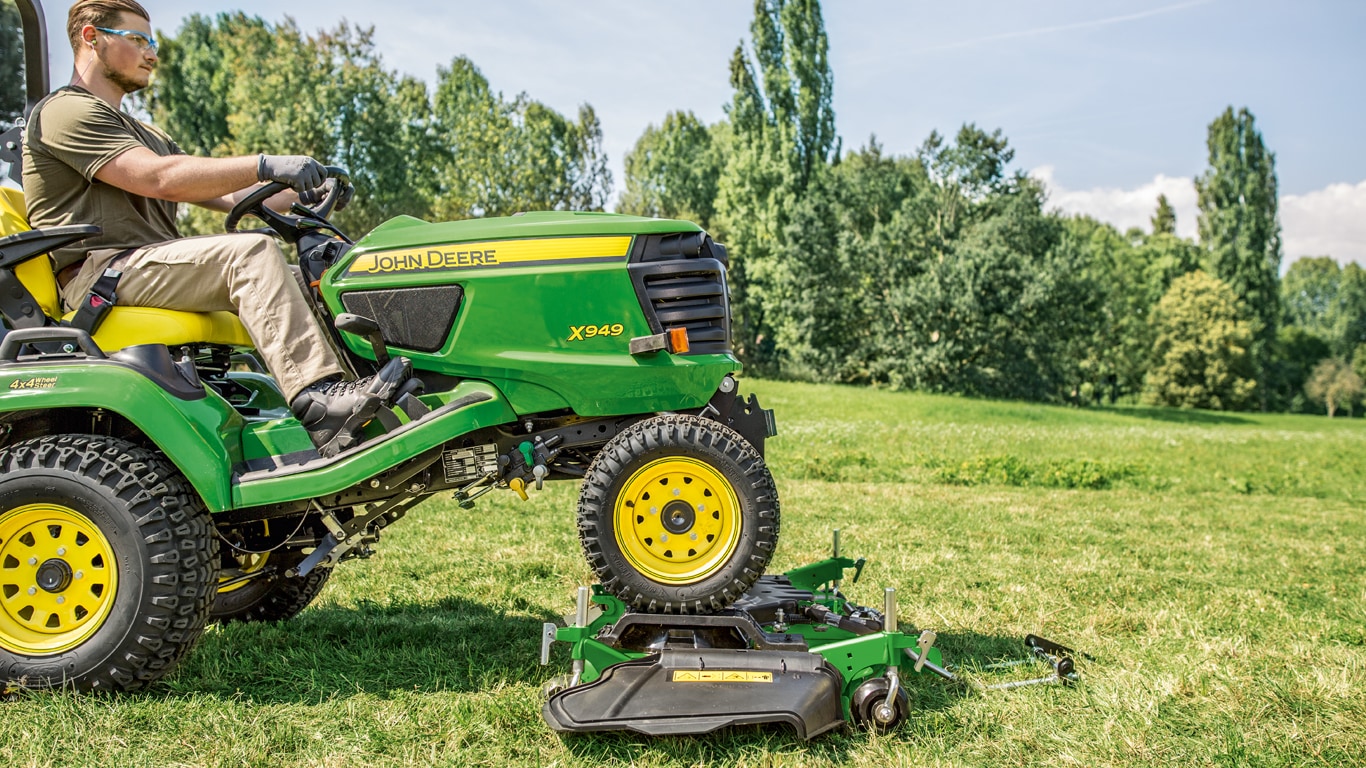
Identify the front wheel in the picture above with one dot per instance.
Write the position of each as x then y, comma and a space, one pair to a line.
269, 594
108, 564
678, 514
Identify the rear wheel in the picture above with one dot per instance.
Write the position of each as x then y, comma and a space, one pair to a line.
107, 564
678, 514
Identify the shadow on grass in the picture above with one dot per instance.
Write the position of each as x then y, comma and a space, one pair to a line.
451, 644
1178, 415
463, 646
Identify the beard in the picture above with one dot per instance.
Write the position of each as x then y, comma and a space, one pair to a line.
126, 84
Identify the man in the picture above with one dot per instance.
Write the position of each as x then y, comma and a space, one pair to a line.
87, 162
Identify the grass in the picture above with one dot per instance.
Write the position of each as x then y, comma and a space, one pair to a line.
1215, 566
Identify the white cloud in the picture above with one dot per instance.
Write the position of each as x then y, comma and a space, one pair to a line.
1126, 208
1326, 222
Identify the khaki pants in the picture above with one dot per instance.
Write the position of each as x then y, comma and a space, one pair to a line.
241, 273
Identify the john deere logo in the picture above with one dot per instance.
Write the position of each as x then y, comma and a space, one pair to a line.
495, 253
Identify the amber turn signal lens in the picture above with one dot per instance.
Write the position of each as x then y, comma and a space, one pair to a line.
678, 341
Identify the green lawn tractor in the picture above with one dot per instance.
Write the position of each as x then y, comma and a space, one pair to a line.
152, 477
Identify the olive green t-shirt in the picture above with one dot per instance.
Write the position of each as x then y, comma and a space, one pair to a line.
70, 136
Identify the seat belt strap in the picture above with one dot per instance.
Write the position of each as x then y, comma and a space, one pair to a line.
98, 302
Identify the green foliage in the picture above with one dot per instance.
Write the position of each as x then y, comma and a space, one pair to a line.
1164, 218
500, 156
1326, 300
1200, 352
12, 85
1016, 471
1334, 384
1297, 351
783, 134
673, 170
1239, 226
1127, 275
237, 84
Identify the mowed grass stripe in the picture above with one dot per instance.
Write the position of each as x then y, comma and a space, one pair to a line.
1228, 626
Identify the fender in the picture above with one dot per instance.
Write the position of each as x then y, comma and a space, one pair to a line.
200, 435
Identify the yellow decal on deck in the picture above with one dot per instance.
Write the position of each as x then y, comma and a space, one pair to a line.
720, 676
494, 253
42, 382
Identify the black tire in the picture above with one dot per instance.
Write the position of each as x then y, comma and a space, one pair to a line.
269, 598
869, 697
729, 544
141, 616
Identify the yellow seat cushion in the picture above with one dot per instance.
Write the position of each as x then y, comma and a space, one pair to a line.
130, 326
123, 326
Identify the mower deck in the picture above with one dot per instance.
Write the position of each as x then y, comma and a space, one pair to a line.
792, 651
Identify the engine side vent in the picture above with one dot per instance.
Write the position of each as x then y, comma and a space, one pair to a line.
412, 318
687, 293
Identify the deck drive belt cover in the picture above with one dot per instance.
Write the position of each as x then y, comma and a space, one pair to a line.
698, 691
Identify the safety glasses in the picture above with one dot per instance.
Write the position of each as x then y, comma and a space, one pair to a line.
144, 42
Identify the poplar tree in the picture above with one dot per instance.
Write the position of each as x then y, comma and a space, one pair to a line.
1164, 219
1239, 228
783, 136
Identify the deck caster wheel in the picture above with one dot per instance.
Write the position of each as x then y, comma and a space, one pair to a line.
678, 514
871, 709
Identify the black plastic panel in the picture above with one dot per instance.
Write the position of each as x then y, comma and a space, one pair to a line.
412, 318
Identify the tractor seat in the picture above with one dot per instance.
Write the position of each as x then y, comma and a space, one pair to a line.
123, 326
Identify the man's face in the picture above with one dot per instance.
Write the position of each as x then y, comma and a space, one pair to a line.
126, 64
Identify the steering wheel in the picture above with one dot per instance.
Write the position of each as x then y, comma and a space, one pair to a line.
285, 225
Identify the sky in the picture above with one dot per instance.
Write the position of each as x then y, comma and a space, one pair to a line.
1107, 101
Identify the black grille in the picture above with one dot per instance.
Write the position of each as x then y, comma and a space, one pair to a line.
687, 293
413, 318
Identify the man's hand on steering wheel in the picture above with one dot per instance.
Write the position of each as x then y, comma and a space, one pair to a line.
315, 196
299, 172
332, 191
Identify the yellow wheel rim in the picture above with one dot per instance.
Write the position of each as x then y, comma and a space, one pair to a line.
58, 578
247, 563
677, 520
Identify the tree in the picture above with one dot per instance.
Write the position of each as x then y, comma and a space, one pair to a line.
1239, 228
238, 85
499, 157
1334, 384
12, 85
673, 171
1200, 352
783, 132
1164, 219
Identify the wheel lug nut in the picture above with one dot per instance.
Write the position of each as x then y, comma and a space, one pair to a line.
60, 599
80, 574
33, 590
33, 561
654, 510
701, 507
677, 492
663, 537
61, 551
694, 536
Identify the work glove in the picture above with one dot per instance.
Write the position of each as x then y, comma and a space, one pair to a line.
298, 171
316, 195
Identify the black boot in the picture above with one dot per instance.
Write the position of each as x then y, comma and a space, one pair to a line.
333, 412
